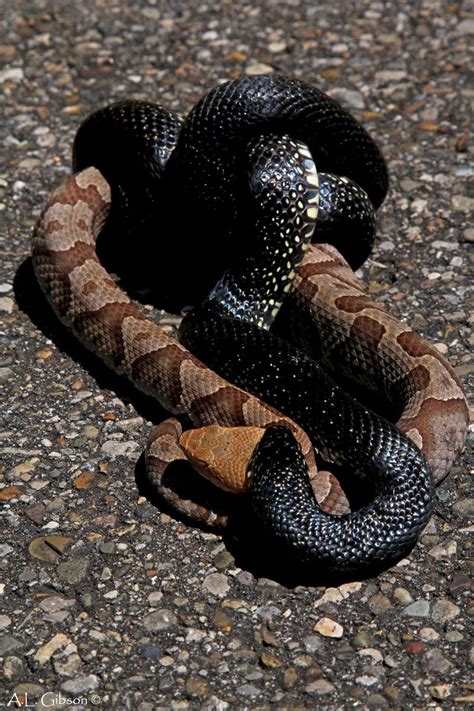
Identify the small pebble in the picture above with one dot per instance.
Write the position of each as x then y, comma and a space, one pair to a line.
462, 203
350, 98
270, 661
248, 690
367, 680
13, 667
159, 620
73, 571
468, 234
374, 654
5, 374
440, 691
379, 604
320, 687
465, 27
420, 608
362, 638
465, 507
377, 701
258, 68
428, 634
216, 584
8, 644
436, 662
444, 610
68, 667
46, 651
196, 686
155, 597
6, 304
81, 684
56, 602
402, 595
329, 628
114, 449
313, 643
290, 678
222, 621
5, 622
446, 549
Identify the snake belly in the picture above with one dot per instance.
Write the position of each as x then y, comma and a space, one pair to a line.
203, 160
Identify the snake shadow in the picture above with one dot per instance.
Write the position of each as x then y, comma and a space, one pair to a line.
157, 267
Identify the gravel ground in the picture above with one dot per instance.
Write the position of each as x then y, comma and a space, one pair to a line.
95, 606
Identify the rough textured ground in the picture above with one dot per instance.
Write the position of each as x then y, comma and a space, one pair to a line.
106, 599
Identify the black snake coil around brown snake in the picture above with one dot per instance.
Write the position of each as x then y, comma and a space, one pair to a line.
267, 161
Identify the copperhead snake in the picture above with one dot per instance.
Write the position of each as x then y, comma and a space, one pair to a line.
371, 345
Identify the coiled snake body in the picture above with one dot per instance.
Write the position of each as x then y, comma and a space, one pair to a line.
267, 161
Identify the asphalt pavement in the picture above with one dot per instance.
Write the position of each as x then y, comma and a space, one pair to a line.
106, 598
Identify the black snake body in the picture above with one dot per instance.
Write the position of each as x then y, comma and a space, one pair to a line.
206, 161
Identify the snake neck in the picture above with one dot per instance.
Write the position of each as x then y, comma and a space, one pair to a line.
283, 209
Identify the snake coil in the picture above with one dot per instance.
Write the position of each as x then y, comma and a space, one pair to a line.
267, 164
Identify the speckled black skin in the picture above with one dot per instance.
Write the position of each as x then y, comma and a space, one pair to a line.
379, 532
228, 169
342, 429
346, 218
281, 212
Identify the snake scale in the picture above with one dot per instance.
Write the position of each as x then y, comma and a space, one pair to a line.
267, 163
